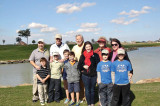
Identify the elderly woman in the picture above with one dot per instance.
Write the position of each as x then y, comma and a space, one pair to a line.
87, 66
102, 45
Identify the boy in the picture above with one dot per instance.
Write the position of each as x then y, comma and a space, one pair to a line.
104, 79
73, 77
42, 80
65, 83
55, 80
122, 69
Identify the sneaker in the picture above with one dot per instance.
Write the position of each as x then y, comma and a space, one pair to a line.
78, 103
42, 103
66, 101
71, 103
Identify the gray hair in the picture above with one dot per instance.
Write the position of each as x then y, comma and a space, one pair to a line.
80, 36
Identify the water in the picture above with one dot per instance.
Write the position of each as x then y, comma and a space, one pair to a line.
145, 63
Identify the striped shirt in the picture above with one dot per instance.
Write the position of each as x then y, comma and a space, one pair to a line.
43, 72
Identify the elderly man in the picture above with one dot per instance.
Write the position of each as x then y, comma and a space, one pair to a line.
58, 47
77, 49
34, 59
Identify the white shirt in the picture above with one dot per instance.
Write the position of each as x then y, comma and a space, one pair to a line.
55, 48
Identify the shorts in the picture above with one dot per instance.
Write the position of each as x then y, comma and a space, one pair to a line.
73, 87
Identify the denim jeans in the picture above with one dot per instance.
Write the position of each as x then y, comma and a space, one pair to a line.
89, 84
125, 91
105, 93
55, 85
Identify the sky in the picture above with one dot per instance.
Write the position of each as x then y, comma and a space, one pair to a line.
127, 20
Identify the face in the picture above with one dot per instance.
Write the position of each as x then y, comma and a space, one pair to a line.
43, 63
56, 57
115, 46
105, 57
101, 44
88, 47
66, 55
71, 57
121, 56
79, 40
41, 45
58, 41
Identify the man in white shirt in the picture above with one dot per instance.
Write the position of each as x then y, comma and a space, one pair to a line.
58, 47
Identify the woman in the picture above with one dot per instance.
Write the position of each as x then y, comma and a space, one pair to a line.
87, 65
102, 45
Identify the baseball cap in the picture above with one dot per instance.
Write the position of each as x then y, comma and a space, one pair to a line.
55, 53
104, 51
121, 51
58, 36
40, 40
101, 39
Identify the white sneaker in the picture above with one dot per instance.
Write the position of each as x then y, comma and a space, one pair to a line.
42, 103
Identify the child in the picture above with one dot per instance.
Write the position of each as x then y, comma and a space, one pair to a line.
42, 80
104, 79
66, 57
55, 80
73, 77
122, 69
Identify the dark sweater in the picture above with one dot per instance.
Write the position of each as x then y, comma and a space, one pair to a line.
92, 69
125, 58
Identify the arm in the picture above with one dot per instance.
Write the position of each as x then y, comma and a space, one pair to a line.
39, 77
81, 64
98, 77
34, 65
127, 58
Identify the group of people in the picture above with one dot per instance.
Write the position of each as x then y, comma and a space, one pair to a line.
81, 69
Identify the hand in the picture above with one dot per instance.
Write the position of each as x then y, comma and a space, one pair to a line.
130, 76
43, 81
37, 67
86, 67
61, 61
51, 60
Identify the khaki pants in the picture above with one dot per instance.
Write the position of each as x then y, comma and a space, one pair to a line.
42, 91
35, 88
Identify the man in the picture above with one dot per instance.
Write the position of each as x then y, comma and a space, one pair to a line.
77, 49
58, 47
34, 59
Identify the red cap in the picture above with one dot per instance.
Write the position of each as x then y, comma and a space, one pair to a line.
101, 40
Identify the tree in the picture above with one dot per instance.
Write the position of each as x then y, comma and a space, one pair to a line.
93, 41
24, 33
18, 39
33, 41
3, 41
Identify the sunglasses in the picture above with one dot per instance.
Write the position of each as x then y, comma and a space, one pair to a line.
114, 44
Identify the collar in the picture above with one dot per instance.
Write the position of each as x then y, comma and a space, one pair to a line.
72, 63
41, 50
62, 44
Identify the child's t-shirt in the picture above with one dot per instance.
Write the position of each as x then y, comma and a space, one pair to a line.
121, 69
105, 71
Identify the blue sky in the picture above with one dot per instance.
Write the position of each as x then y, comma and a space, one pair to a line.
127, 20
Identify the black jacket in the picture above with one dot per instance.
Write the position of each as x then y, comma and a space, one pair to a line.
92, 69
125, 58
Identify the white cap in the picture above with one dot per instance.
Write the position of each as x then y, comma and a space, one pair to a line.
58, 36
55, 53
121, 51
104, 51
40, 40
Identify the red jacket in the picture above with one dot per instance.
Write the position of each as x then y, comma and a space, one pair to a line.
99, 52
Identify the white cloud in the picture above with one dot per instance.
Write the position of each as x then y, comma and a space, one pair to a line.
90, 25
70, 8
17, 30
37, 25
134, 13
49, 29
89, 30
123, 21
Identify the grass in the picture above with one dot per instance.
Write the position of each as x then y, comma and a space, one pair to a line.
141, 94
17, 52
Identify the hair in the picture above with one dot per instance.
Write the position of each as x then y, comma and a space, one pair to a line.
102, 37
86, 43
116, 40
72, 53
43, 59
65, 51
80, 36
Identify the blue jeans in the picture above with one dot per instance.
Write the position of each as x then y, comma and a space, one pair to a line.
105, 92
89, 85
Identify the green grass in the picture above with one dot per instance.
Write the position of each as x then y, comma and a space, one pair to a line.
17, 52
142, 95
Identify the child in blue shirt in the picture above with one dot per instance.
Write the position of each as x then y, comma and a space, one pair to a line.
121, 68
104, 79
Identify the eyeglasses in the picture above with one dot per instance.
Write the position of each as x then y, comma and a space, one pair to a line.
114, 44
